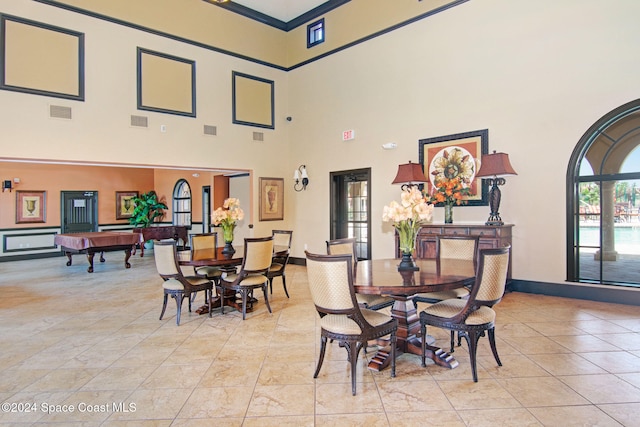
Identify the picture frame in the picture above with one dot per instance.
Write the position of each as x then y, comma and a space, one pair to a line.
31, 206
271, 199
166, 83
124, 204
253, 102
471, 145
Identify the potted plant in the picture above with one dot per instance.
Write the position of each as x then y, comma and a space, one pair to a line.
147, 208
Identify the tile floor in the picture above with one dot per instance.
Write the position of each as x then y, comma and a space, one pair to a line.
94, 341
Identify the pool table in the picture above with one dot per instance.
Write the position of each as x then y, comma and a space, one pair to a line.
98, 241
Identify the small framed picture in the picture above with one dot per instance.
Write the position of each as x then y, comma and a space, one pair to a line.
31, 206
124, 204
271, 199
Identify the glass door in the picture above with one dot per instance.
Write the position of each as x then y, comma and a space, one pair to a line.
350, 207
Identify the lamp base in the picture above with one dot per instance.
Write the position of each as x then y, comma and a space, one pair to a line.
490, 222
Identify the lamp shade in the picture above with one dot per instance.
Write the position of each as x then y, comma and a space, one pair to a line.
409, 172
495, 164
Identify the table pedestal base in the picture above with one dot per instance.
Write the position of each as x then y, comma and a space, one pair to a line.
408, 340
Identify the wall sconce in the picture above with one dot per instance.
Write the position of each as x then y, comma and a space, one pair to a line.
495, 164
409, 173
301, 172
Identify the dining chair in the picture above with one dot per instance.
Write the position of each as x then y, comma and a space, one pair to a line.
206, 242
473, 316
258, 253
175, 283
341, 317
347, 246
451, 248
281, 238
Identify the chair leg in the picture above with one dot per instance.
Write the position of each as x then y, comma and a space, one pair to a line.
284, 285
453, 334
353, 348
244, 293
472, 339
189, 298
178, 297
164, 305
323, 347
492, 342
266, 298
208, 291
221, 293
394, 340
423, 334
271, 285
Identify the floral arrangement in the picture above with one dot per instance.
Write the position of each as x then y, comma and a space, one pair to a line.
407, 216
450, 191
227, 217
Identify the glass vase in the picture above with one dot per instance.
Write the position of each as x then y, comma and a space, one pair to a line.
448, 214
227, 235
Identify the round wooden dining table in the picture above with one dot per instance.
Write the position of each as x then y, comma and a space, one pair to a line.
381, 277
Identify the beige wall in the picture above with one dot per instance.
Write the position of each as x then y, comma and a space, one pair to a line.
536, 74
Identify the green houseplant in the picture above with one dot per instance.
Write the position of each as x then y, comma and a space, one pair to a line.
146, 209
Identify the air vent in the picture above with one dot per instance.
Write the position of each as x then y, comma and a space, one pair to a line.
258, 136
139, 121
210, 130
59, 112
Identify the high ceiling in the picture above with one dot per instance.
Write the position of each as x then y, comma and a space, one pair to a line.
283, 10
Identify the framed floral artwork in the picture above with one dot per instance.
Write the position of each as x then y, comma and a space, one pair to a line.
31, 206
456, 157
271, 199
124, 204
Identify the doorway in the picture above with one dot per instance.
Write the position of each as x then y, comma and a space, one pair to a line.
350, 207
79, 211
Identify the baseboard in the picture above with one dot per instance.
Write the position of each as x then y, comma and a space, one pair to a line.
608, 293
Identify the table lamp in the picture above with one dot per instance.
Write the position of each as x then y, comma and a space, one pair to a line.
409, 173
494, 165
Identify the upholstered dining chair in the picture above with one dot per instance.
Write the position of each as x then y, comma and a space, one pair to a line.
206, 242
341, 317
473, 316
258, 253
347, 246
281, 238
451, 248
175, 283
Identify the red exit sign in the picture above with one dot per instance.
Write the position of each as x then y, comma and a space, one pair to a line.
348, 135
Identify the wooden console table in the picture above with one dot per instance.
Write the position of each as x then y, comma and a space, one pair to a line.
491, 236
175, 232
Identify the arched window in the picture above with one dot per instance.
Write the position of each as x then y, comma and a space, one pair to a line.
182, 203
603, 190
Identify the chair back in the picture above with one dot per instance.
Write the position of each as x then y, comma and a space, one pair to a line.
491, 276
258, 252
457, 247
343, 247
331, 283
204, 241
282, 237
164, 252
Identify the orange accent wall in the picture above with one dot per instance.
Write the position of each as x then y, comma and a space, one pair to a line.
105, 180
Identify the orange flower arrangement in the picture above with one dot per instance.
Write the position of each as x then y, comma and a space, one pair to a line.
450, 191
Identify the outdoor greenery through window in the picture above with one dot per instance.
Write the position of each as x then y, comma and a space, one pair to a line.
604, 245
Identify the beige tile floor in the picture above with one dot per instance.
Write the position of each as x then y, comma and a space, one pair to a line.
94, 341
